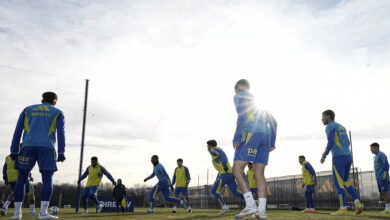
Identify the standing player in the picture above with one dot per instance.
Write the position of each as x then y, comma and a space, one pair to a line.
338, 143
253, 140
10, 175
252, 180
309, 180
181, 178
381, 167
38, 123
163, 185
95, 174
225, 175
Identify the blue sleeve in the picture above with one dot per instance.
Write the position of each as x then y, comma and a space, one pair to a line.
273, 128
85, 174
151, 176
174, 177
311, 170
214, 152
187, 174
330, 135
241, 111
223, 157
5, 177
108, 175
61, 133
18, 133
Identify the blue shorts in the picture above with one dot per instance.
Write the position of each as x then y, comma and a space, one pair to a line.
182, 190
310, 188
383, 185
254, 147
29, 188
254, 191
45, 157
89, 191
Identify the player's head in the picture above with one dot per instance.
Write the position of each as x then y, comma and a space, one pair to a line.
179, 162
154, 160
250, 165
211, 144
241, 85
49, 97
374, 148
94, 161
327, 116
301, 159
119, 182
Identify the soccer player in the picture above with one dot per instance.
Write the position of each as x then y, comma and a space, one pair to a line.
252, 180
181, 177
10, 175
163, 185
118, 194
225, 175
309, 180
381, 167
254, 138
39, 124
338, 143
95, 174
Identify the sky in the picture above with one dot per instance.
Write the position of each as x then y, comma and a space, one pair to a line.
162, 77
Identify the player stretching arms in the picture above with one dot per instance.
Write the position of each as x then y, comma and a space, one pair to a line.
38, 123
10, 175
338, 143
164, 182
253, 140
381, 167
95, 174
252, 180
225, 175
309, 180
182, 178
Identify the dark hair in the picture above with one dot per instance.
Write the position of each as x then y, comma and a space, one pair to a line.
302, 157
94, 158
242, 82
329, 113
155, 157
180, 160
375, 145
212, 143
48, 97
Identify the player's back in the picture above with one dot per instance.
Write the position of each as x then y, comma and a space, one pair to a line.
381, 165
341, 141
218, 156
160, 172
40, 124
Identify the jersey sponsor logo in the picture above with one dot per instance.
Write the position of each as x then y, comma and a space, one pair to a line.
252, 152
23, 160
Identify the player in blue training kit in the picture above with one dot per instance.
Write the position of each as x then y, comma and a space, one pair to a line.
309, 181
254, 138
163, 185
181, 177
225, 175
338, 143
381, 168
95, 174
39, 124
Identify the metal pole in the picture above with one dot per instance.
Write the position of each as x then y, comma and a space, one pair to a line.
82, 144
207, 188
353, 163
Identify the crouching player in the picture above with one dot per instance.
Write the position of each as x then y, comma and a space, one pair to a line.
10, 175
163, 185
381, 167
95, 174
309, 180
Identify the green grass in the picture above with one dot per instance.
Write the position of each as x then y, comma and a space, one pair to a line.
165, 213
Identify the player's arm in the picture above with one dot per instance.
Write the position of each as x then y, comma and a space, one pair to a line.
174, 177
107, 174
166, 174
5, 177
273, 128
61, 136
330, 136
224, 160
241, 111
17, 135
187, 175
383, 160
149, 177
311, 171
85, 174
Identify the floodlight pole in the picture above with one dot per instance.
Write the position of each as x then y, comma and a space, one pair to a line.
353, 163
82, 145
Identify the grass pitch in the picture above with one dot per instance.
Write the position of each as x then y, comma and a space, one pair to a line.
166, 213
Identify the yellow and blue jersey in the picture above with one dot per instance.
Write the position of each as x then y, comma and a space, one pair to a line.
9, 173
381, 166
338, 141
252, 119
161, 174
220, 160
181, 176
39, 123
251, 179
308, 173
95, 175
